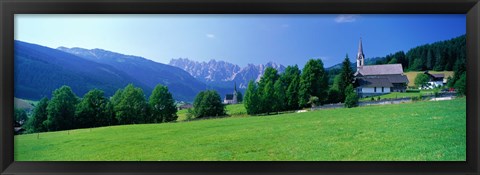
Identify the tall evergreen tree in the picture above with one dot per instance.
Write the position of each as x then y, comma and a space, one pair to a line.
270, 76
291, 79
61, 109
401, 58
162, 105
239, 97
346, 78
268, 96
290, 73
292, 94
430, 60
251, 101
280, 96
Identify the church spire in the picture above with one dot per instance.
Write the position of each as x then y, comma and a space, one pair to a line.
360, 55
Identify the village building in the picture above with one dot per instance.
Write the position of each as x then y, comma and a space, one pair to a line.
231, 98
436, 80
185, 106
376, 80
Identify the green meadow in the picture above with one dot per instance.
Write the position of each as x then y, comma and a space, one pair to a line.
234, 110
420, 131
394, 95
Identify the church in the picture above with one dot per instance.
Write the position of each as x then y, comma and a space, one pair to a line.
373, 80
231, 98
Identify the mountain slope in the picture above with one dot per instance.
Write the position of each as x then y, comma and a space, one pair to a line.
39, 70
182, 85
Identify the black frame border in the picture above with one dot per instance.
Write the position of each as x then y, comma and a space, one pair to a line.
10, 7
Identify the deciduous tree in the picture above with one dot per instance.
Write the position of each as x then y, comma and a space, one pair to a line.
131, 106
208, 104
162, 105
61, 109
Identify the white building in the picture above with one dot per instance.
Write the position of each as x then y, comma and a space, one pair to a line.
436, 80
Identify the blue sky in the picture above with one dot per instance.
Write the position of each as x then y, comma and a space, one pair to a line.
240, 39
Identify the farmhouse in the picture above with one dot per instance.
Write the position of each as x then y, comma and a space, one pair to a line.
231, 98
436, 80
378, 79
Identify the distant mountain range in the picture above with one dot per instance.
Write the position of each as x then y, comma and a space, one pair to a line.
224, 74
39, 70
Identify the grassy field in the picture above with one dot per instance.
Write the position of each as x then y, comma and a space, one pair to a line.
411, 75
235, 110
412, 131
394, 95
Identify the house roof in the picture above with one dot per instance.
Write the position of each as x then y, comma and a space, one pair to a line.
384, 69
438, 75
374, 82
435, 75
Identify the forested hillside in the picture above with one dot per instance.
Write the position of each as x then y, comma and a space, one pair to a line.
438, 56
39, 70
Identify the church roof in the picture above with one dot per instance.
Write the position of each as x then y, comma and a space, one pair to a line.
384, 69
392, 78
374, 82
229, 97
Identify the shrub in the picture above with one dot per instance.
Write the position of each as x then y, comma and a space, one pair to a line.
412, 90
351, 99
314, 101
436, 93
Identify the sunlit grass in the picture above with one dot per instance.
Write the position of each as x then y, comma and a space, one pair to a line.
413, 131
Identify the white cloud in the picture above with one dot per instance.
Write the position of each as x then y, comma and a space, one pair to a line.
345, 18
209, 35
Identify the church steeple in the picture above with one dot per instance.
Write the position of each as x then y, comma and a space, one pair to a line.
360, 55
235, 88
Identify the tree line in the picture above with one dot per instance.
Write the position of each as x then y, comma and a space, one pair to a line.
438, 56
128, 106
294, 89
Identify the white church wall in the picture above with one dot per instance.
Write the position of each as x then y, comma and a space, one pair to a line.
372, 90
